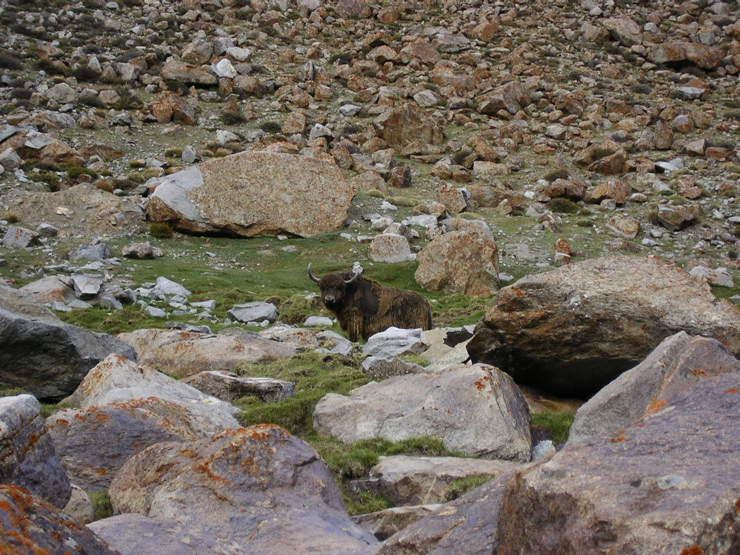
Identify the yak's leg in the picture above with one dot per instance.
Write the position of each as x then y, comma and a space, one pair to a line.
353, 323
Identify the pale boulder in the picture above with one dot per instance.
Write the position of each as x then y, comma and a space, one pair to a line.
390, 248
117, 380
253, 193
476, 410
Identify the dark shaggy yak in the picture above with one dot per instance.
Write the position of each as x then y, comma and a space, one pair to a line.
364, 307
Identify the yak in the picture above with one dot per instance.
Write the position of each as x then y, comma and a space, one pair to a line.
364, 307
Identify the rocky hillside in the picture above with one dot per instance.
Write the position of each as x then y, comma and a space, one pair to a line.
559, 178
627, 110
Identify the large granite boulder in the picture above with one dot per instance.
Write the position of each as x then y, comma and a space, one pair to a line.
676, 364
476, 410
684, 53
27, 455
29, 525
43, 355
252, 194
184, 353
666, 484
117, 380
94, 442
572, 330
258, 488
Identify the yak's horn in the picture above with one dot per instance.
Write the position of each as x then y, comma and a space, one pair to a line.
353, 278
313, 277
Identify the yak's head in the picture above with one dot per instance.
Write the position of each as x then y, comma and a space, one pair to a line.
333, 287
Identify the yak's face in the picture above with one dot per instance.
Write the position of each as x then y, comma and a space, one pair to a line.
333, 290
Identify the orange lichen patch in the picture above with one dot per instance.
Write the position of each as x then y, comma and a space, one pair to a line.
699, 372
101, 471
101, 417
733, 390
619, 439
655, 406
693, 550
61, 422
205, 468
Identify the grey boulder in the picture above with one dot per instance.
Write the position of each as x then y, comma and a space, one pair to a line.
676, 364
476, 410
572, 330
42, 354
27, 455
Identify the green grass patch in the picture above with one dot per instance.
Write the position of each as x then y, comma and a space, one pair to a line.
351, 462
102, 507
314, 375
461, 486
557, 423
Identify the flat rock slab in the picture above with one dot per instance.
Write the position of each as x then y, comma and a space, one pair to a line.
116, 380
29, 525
133, 534
254, 194
82, 211
49, 289
572, 330
183, 353
260, 488
476, 410
230, 387
669, 483
422, 480
383, 524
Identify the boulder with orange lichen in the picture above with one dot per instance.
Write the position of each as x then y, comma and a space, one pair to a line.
118, 380
256, 489
669, 483
93, 443
27, 456
29, 525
